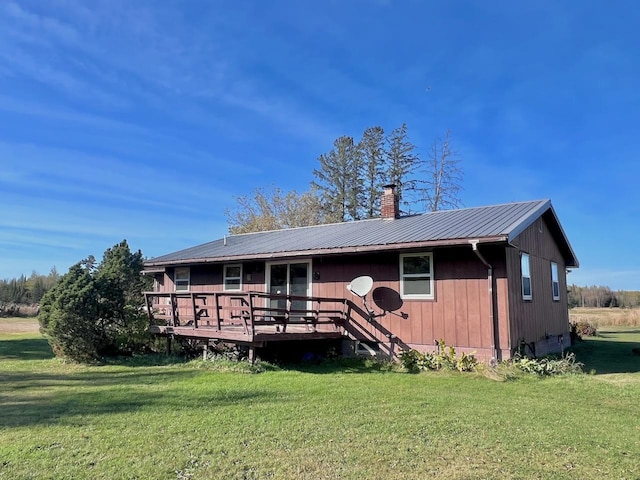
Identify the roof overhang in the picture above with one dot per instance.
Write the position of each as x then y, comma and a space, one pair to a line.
152, 270
547, 212
151, 265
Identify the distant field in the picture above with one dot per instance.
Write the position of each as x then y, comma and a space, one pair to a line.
606, 316
18, 325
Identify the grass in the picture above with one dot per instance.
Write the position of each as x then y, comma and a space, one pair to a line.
164, 419
18, 325
606, 316
611, 351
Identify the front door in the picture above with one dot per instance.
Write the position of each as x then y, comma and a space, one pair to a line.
289, 279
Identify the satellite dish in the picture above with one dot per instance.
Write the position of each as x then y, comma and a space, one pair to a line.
361, 286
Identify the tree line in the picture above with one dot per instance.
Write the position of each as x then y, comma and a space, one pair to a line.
349, 180
27, 291
600, 296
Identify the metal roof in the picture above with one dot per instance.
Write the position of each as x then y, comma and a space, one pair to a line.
497, 223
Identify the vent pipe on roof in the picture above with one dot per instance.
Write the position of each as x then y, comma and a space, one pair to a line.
390, 207
224, 241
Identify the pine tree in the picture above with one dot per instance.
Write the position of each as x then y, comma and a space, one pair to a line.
96, 310
68, 316
402, 163
371, 151
120, 285
338, 181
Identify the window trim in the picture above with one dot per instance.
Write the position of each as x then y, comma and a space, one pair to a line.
555, 282
430, 275
288, 263
525, 296
225, 277
177, 279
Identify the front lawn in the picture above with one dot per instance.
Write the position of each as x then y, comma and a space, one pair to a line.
184, 421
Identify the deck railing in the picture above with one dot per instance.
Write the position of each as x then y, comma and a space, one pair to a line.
247, 310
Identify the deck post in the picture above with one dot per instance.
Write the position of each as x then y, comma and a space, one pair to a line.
195, 312
148, 300
173, 309
169, 338
252, 354
217, 305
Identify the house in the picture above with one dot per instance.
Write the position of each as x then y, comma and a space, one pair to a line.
489, 280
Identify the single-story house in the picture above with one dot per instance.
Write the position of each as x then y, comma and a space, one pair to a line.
489, 280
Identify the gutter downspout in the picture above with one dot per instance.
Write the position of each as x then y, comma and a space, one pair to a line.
495, 337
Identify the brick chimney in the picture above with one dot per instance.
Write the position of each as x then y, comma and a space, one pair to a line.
390, 206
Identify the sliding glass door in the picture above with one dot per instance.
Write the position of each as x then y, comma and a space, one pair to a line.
290, 278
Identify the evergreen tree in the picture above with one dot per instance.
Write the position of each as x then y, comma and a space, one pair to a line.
338, 181
68, 313
371, 149
402, 162
121, 320
96, 310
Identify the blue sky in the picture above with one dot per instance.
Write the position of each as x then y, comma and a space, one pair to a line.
143, 120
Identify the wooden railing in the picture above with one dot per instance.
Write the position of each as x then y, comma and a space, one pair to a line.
246, 310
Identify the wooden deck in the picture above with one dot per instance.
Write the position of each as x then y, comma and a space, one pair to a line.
251, 318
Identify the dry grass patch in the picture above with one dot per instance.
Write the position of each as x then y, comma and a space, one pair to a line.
606, 316
19, 325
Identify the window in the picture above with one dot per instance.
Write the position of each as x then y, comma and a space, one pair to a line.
555, 285
181, 279
233, 277
416, 276
526, 277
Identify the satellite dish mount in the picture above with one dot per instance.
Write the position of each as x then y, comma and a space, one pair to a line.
385, 298
361, 286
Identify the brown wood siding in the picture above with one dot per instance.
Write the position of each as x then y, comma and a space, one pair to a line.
540, 317
459, 314
209, 278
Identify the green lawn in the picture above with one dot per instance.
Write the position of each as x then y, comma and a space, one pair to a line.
184, 421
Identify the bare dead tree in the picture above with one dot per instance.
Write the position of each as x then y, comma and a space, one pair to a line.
442, 176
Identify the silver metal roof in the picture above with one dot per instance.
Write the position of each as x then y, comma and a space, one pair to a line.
497, 223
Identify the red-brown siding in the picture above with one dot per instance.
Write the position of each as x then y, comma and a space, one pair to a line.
539, 320
461, 311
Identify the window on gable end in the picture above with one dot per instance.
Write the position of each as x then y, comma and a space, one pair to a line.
555, 284
527, 294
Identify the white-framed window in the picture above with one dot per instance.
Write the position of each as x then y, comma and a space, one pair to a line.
232, 277
182, 279
527, 294
555, 284
416, 276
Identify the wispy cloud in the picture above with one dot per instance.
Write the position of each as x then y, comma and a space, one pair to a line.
38, 26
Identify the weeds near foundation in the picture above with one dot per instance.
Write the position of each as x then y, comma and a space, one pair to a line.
444, 358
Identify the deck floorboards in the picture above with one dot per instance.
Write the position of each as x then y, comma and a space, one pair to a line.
236, 333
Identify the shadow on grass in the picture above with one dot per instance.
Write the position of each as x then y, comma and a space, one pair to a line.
31, 399
343, 365
25, 349
607, 356
608, 333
